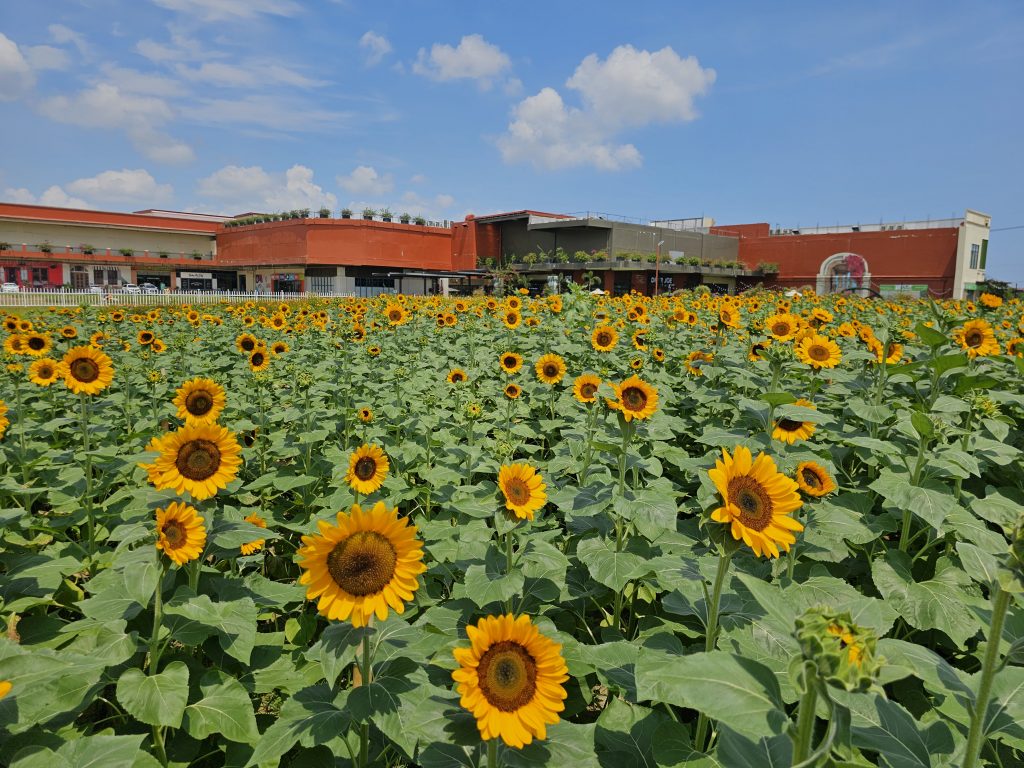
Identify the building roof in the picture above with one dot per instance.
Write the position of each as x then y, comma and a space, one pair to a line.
91, 218
191, 215
523, 214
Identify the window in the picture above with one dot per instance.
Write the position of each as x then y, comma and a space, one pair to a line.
975, 250
97, 276
40, 276
984, 254
367, 287
112, 277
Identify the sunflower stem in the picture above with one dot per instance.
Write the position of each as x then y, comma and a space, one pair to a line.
158, 617
915, 480
711, 637
492, 753
975, 738
87, 500
366, 672
591, 413
805, 719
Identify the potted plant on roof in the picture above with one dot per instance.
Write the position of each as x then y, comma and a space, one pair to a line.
420, 221
405, 218
325, 212
87, 249
346, 213
45, 247
303, 213
368, 214
126, 252
385, 215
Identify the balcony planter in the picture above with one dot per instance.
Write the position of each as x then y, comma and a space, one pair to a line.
325, 213
420, 221
385, 215
126, 252
346, 213
368, 214
405, 218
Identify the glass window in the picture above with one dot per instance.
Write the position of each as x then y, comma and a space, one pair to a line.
40, 276
112, 277
984, 254
97, 276
975, 251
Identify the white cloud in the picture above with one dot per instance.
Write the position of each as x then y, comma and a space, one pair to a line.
106, 106
252, 188
135, 186
54, 196
474, 58
364, 180
269, 112
44, 57
434, 208
133, 81
16, 78
247, 75
629, 89
419, 178
61, 35
180, 48
376, 47
225, 10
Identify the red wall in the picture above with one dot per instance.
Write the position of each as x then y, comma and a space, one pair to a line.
75, 216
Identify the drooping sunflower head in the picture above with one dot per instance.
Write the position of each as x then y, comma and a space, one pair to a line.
604, 338
457, 376
199, 460
86, 370
990, 300
510, 362
757, 349
512, 391
180, 532
791, 430
510, 678
757, 501
550, 369
362, 566
523, 489
695, 361
818, 351
200, 401
367, 468
813, 479
585, 387
634, 399
44, 371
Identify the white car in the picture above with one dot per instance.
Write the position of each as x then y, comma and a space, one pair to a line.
149, 288
95, 289
9, 288
130, 288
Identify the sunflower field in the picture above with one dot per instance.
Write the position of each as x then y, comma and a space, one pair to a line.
688, 531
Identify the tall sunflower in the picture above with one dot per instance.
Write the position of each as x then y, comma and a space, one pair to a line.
523, 488
977, 338
199, 460
790, 430
255, 546
513, 391
550, 369
44, 371
757, 501
511, 362
604, 338
259, 360
782, 326
813, 479
585, 387
457, 376
246, 343
4, 421
510, 678
634, 398
818, 351
180, 533
37, 344
695, 360
367, 468
365, 564
200, 401
86, 370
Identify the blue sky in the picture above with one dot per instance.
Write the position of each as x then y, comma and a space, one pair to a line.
794, 114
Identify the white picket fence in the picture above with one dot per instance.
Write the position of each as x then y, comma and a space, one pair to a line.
44, 298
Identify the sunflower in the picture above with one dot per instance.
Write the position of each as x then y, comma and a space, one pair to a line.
782, 326
373, 350
523, 489
145, 337
279, 347
550, 369
512, 319
585, 387
754, 353
888, 353
246, 343
695, 360
396, 314
4, 421
86, 370
361, 566
199, 460
158, 346
365, 415
729, 316
604, 338
253, 547
511, 362
757, 501
44, 371
200, 401
658, 354
789, 431
1015, 347
14, 344
367, 468
457, 376
512, 391
180, 533
990, 300
358, 334
977, 338
814, 479
511, 678
5, 688
69, 332
635, 399
259, 360
818, 352
36, 344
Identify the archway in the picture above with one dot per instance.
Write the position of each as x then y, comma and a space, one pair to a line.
843, 272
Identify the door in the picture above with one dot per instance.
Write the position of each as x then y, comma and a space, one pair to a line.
79, 278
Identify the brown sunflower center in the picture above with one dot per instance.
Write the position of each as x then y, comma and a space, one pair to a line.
510, 362
174, 533
517, 491
754, 503
362, 564
199, 403
198, 459
811, 478
511, 318
507, 676
248, 345
365, 468
781, 329
604, 339
634, 398
395, 315
588, 389
45, 371
818, 352
974, 338
257, 359
550, 370
788, 425
456, 377
84, 369
145, 337
36, 343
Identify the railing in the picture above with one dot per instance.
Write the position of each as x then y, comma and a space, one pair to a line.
62, 298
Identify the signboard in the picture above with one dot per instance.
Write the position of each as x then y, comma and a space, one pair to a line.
196, 275
904, 289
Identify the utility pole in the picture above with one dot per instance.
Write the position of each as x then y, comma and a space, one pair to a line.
657, 263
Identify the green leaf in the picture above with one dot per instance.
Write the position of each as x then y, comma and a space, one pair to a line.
567, 744
310, 717
736, 751
191, 619
726, 687
608, 567
225, 709
422, 716
485, 585
981, 566
625, 734
939, 603
673, 749
929, 336
102, 751
155, 699
948, 362
929, 504
777, 398
922, 424
883, 726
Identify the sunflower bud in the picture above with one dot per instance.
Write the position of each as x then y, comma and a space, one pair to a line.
842, 652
